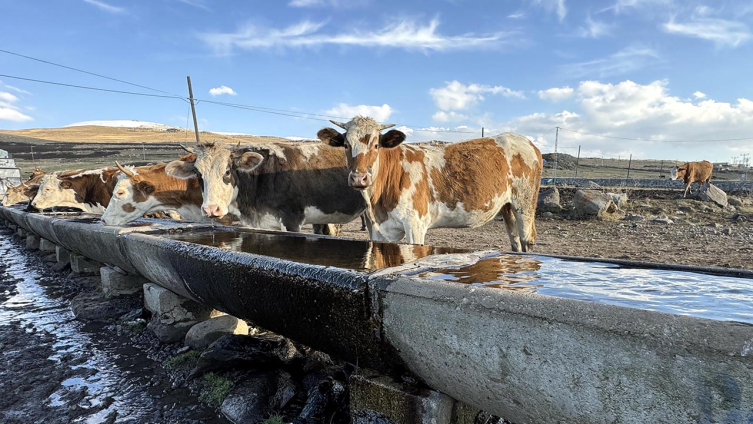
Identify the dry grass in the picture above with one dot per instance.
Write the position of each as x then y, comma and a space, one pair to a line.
97, 134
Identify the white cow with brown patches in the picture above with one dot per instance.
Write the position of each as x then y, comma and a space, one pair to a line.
410, 189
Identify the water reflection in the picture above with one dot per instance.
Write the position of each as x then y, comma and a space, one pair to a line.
341, 253
505, 271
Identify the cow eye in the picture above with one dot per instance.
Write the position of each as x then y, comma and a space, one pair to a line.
227, 173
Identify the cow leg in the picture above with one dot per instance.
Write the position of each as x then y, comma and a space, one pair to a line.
363, 222
687, 187
415, 233
510, 225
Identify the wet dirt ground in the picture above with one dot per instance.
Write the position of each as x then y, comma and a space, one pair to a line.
701, 234
54, 369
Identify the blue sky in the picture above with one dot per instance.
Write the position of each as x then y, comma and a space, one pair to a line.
672, 72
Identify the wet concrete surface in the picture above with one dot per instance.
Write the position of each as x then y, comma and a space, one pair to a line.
54, 369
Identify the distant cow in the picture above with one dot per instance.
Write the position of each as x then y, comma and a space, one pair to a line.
410, 189
149, 189
278, 186
24, 191
88, 190
692, 172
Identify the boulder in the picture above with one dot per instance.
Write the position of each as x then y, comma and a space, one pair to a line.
258, 397
711, 193
170, 307
205, 333
734, 201
549, 200
169, 333
592, 204
619, 199
233, 350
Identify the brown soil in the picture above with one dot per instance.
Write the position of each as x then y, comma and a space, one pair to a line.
702, 234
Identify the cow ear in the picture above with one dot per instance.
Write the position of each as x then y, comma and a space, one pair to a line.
331, 137
144, 187
391, 138
248, 161
180, 169
65, 184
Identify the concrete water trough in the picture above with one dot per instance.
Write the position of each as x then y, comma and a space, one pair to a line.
534, 339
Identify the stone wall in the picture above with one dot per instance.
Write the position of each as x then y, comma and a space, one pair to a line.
728, 186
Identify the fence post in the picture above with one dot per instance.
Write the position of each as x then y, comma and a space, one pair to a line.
629, 163
577, 162
556, 140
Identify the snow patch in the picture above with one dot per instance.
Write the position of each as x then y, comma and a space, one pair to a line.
123, 124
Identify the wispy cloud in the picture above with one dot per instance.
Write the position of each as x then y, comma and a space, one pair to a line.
626, 60
105, 7
404, 34
218, 91
328, 3
721, 32
201, 4
9, 111
517, 15
699, 95
16, 89
458, 96
379, 113
593, 29
553, 6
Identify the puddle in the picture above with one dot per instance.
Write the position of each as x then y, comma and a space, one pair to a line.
355, 255
676, 292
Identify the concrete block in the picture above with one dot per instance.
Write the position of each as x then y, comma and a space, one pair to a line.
21, 232
32, 241
46, 246
170, 307
118, 283
63, 256
204, 333
169, 333
395, 402
83, 265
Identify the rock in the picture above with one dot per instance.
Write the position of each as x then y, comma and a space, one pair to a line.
117, 283
727, 231
738, 217
549, 200
619, 199
329, 394
735, 201
547, 215
234, 350
686, 209
592, 204
662, 220
257, 397
93, 306
205, 333
731, 209
593, 185
711, 193
169, 333
170, 307
634, 217
32, 241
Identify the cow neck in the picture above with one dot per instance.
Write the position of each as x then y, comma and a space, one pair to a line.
90, 189
391, 180
171, 191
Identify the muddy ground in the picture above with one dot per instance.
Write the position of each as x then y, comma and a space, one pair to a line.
701, 234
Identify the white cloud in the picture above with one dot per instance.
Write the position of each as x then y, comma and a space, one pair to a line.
556, 94
553, 6
699, 95
16, 89
403, 34
218, 91
622, 5
518, 15
452, 116
721, 32
105, 7
458, 96
624, 61
593, 29
196, 3
9, 111
345, 111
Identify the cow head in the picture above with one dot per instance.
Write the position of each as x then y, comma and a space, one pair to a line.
362, 140
131, 198
54, 191
677, 172
14, 194
218, 167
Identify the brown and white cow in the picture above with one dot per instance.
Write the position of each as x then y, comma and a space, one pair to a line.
692, 172
278, 186
410, 189
88, 190
24, 191
149, 189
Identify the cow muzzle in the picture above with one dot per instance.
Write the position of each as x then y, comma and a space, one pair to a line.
213, 211
359, 180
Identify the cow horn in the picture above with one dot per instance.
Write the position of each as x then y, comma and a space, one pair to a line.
188, 149
24, 184
339, 124
125, 171
385, 126
238, 146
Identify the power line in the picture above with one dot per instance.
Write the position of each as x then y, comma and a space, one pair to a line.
653, 141
86, 72
93, 88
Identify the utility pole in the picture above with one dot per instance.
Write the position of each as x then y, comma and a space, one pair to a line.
32, 157
629, 163
556, 140
193, 109
143, 150
577, 162
482, 132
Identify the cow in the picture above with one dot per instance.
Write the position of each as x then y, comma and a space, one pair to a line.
410, 189
277, 186
692, 172
24, 191
149, 189
88, 190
